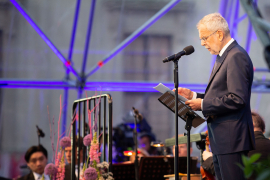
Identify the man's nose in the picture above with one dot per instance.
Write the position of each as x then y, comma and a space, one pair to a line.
202, 42
38, 163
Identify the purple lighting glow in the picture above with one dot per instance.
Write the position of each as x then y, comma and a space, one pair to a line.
108, 86
10, 83
93, 86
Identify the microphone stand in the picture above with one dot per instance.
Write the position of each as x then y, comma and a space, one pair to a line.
136, 146
166, 159
176, 175
187, 127
186, 51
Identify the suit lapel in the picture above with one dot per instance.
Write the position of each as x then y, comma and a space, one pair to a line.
32, 177
219, 63
29, 176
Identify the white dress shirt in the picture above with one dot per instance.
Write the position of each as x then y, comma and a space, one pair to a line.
39, 176
76, 170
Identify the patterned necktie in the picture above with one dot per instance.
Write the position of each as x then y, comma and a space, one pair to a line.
215, 65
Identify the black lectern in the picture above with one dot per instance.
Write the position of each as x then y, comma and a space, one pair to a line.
188, 115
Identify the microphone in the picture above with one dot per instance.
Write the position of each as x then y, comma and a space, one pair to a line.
137, 114
186, 51
40, 132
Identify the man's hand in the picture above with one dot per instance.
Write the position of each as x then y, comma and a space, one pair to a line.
187, 93
206, 155
195, 104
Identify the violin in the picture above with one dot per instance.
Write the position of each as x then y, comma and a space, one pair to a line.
206, 175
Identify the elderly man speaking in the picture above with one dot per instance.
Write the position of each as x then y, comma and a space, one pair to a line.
226, 101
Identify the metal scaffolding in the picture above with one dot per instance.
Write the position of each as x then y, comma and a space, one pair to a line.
228, 8
80, 84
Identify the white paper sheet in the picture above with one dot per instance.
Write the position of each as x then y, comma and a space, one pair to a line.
162, 89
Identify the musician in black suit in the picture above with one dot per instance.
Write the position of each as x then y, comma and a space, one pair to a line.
262, 145
36, 158
226, 101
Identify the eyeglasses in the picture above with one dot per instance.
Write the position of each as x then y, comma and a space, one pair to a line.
205, 38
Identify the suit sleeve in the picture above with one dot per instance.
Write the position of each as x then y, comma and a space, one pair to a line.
200, 95
208, 165
238, 80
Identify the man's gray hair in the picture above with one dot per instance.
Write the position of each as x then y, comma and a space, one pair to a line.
214, 22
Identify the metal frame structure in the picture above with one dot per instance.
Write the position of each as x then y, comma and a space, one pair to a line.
81, 107
81, 83
260, 26
226, 8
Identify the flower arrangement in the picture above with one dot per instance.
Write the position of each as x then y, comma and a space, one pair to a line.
56, 170
94, 170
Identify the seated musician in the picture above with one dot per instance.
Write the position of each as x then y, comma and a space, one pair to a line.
262, 144
145, 140
182, 149
68, 158
144, 146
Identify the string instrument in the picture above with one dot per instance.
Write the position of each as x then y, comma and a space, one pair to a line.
206, 175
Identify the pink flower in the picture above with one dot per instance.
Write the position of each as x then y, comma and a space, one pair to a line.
90, 174
93, 153
87, 140
50, 169
62, 175
65, 142
95, 146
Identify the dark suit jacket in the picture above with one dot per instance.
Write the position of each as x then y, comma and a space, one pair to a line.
67, 172
262, 146
208, 165
226, 102
29, 176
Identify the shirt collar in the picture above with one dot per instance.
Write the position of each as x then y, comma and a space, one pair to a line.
36, 176
225, 47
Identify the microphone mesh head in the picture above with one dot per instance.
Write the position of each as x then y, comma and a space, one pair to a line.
189, 50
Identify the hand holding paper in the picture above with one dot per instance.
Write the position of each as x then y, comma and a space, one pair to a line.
195, 104
161, 88
187, 93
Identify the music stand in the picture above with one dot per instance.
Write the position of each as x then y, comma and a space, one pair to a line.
156, 167
189, 116
123, 171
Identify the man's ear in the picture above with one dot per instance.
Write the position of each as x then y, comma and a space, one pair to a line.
220, 35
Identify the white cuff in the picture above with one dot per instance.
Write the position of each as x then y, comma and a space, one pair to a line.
202, 105
194, 95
